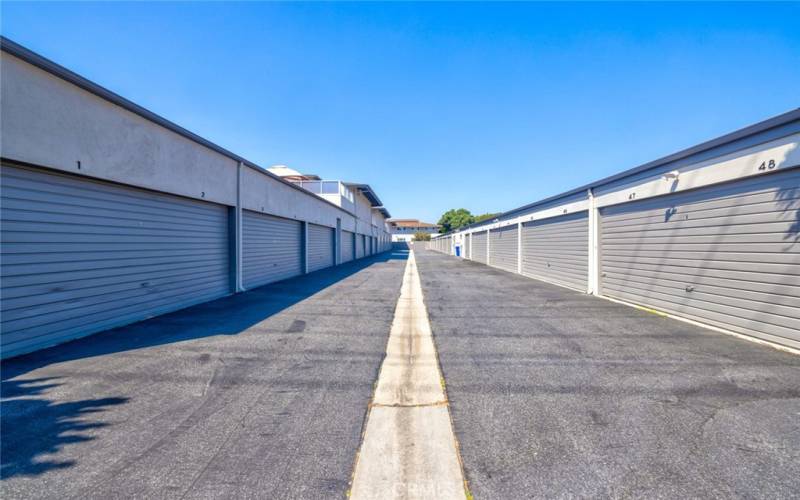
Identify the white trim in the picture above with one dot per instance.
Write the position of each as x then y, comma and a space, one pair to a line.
593, 280
519, 248
488, 240
784, 152
238, 282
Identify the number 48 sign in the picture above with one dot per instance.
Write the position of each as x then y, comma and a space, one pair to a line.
767, 165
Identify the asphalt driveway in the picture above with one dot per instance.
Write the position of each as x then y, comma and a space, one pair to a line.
556, 394
259, 395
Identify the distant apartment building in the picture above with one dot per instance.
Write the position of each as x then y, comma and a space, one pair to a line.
404, 229
357, 198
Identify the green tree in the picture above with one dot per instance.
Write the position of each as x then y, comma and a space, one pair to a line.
479, 218
421, 236
454, 219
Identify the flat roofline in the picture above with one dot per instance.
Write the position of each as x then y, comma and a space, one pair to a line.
383, 211
762, 126
367, 191
56, 69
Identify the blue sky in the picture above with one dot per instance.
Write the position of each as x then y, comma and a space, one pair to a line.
437, 106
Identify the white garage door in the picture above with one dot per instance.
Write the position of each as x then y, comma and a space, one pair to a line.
360, 246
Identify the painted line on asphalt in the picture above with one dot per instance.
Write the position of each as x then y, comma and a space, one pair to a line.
409, 449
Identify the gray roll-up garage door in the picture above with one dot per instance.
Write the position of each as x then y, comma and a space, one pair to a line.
557, 250
503, 248
348, 244
81, 256
272, 249
320, 247
359, 246
479, 247
726, 255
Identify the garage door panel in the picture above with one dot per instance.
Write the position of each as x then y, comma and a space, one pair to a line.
40, 180
556, 250
781, 227
746, 213
92, 233
98, 217
55, 275
756, 312
704, 291
81, 237
90, 311
559, 272
714, 242
739, 249
656, 263
99, 259
360, 247
566, 266
556, 240
88, 301
559, 276
567, 248
503, 248
28, 296
746, 205
654, 256
562, 260
558, 236
272, 249
124, 255
765, 188
40, 186
348, 241
26, 286
727, 321
19, 264
711, 222
76, 326
479, 247
320, 247
618, 269
74, 247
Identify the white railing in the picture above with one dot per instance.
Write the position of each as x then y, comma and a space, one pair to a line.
334, 191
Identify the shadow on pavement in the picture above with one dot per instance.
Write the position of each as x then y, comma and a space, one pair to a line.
32, 428
26, 412
226, 316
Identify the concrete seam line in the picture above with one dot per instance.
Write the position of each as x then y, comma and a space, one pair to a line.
367, 410
371, 404
409, 449
421, 405
467, 492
